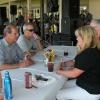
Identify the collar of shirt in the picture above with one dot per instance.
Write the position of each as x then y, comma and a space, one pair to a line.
6, 44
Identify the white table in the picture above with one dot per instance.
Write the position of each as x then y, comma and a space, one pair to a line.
59, 51
42, 93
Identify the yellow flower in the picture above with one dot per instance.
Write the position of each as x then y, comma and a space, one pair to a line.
50, 55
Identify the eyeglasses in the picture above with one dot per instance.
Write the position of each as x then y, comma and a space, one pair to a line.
30, 30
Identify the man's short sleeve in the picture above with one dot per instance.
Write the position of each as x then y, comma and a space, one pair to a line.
22, 44
20, 53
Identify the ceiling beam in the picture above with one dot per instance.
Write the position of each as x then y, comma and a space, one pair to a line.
6, 1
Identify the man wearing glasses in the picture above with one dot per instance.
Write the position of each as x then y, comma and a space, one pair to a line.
11, 56
26, 41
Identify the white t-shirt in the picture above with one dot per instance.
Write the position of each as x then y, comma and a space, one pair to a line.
26, 44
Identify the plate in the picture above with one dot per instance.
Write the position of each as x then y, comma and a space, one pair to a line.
44, 81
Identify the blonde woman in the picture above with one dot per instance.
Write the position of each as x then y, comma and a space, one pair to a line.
86, 69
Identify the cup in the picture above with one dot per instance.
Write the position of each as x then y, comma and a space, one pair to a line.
66, 53
50, 66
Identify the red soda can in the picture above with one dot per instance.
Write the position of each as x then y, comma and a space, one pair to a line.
28, 80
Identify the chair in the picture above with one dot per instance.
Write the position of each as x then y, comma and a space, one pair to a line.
67, 43
62, 39
56, 39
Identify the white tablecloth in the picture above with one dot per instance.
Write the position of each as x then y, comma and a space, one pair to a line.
47, 92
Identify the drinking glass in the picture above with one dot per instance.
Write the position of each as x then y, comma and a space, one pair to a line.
50, 66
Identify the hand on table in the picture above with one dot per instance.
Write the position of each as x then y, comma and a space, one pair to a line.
30, 53
25, 63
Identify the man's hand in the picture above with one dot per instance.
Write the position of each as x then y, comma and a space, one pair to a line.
26, 63
30, 53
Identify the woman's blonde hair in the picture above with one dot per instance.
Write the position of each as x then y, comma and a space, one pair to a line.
89, 37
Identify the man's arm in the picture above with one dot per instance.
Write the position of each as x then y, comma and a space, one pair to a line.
8, 66
21, 43
37, 39
39, 46
22, 64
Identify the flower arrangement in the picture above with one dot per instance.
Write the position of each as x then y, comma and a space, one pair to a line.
50, 55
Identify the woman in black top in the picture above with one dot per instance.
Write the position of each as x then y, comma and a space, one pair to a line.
86, 69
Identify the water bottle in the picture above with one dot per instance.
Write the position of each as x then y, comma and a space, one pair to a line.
7, 86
